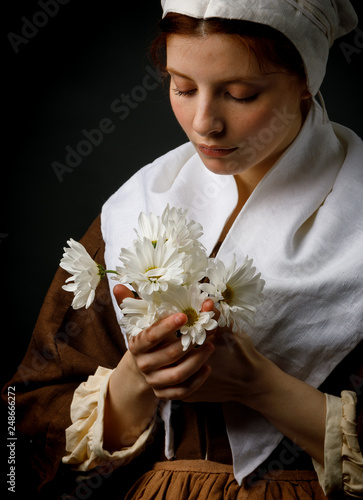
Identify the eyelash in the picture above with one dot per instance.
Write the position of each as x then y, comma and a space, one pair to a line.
180, 92
191, 92
246, 99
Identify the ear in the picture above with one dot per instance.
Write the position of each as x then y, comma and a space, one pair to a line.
305, 94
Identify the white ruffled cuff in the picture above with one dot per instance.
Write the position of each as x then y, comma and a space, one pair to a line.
343, 460
84, 438
351, 453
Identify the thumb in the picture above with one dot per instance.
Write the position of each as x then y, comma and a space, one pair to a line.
121, 292
208, 305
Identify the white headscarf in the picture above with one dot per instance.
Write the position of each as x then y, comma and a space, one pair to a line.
311, 25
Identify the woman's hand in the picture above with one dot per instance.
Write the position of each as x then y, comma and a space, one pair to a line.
225, 368
155, 367
158, 354
240, 373
237, 368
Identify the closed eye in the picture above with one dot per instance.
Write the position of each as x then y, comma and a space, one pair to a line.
244, 99
192, 92
185, 92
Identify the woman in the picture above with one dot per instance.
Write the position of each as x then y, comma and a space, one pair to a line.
267, 175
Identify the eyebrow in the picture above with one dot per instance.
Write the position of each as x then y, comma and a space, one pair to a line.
248, 80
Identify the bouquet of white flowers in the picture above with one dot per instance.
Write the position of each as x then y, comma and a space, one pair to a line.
170, 272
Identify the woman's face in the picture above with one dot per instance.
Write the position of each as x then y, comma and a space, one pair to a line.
236, 115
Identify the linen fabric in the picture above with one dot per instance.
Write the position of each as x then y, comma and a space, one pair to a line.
84, 438
311, 25
343, 458
330, 474
303, 227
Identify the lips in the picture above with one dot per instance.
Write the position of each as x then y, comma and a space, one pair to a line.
215, 151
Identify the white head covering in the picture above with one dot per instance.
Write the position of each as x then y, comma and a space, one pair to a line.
311, 25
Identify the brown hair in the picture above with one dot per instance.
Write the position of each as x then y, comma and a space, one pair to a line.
268, 45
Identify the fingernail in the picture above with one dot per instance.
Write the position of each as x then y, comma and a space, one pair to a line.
180, 319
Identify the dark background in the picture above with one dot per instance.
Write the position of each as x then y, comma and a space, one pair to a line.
62, 81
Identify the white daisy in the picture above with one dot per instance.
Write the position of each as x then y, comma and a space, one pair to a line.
171, 226
152, 228
182, 233
237, 290
138, 315
151, 268
86, 274
188, 300
195, 266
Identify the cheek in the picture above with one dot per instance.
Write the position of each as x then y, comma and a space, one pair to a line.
277, 112
250, 124
181, 113
270, 124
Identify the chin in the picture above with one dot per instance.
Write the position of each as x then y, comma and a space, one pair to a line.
222, 167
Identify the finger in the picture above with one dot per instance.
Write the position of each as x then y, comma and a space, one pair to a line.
121, 292
165, 354
152, 336
208, 305
175, 375
183, 391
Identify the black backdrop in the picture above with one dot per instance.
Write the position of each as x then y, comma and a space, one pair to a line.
67, 65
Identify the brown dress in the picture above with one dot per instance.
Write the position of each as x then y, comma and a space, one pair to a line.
66, 347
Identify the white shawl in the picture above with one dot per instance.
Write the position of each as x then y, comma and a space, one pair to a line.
303, 227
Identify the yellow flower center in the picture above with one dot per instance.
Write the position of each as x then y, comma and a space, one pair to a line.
192, 316
228, 295
153, 278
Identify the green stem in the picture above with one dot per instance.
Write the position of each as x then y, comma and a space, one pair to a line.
102, 271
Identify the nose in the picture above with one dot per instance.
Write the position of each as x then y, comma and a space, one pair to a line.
207, 118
